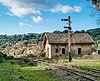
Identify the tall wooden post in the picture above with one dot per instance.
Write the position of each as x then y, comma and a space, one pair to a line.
69, 40
69, 37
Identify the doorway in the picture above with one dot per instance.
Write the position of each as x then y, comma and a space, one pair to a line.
63, 50
79, 50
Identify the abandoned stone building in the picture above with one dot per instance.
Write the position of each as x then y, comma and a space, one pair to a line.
57, 44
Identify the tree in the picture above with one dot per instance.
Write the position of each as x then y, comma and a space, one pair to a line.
97, 9
96, 3
57, 31
25, 42
65, 31
77, 31
82, 31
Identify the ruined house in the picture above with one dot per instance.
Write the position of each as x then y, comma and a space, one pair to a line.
57, 44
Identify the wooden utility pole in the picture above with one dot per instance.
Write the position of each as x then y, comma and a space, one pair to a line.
69, 37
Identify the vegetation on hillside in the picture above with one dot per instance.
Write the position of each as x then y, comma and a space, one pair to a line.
95, 33
21, 44
31, 43
8, 40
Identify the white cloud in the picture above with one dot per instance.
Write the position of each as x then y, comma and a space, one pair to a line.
37, 19
30, 8
24, 24
24, 8
66, 9
22, 12
77, 8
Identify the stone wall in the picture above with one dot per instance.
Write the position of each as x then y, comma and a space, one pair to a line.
59, 47
86, 49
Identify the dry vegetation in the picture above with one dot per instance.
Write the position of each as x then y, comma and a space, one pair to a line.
19, 50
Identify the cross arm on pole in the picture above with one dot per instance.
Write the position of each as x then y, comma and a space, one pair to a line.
69, 28
69, 37
64, 19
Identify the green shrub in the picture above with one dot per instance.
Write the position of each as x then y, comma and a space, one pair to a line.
10, 57
2, 59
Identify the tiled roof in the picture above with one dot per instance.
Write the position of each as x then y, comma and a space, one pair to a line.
75, 38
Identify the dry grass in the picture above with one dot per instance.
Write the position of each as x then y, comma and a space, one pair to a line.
85, 63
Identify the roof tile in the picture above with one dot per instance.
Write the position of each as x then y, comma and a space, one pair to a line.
75, 38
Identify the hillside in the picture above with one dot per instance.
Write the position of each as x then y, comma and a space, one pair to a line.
24, 44
19, 49
8, 40
95, 33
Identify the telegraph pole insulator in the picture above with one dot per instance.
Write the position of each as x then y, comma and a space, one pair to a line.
69, 37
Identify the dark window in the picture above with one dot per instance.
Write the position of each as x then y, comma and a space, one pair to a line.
63, 50
56, 50
98, 51
79, 50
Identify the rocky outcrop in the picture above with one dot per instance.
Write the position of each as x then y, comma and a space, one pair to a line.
20, 49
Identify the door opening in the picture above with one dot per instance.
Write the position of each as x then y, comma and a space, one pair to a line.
63, 50
79, 50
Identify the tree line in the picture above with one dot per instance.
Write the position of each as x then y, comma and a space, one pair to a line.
36, 38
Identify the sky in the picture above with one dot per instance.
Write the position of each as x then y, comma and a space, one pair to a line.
38, 16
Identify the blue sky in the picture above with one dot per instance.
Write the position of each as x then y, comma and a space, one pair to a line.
37, 16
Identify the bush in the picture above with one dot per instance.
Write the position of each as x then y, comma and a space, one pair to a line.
10, 57
42, 54
33, 63
2, 59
